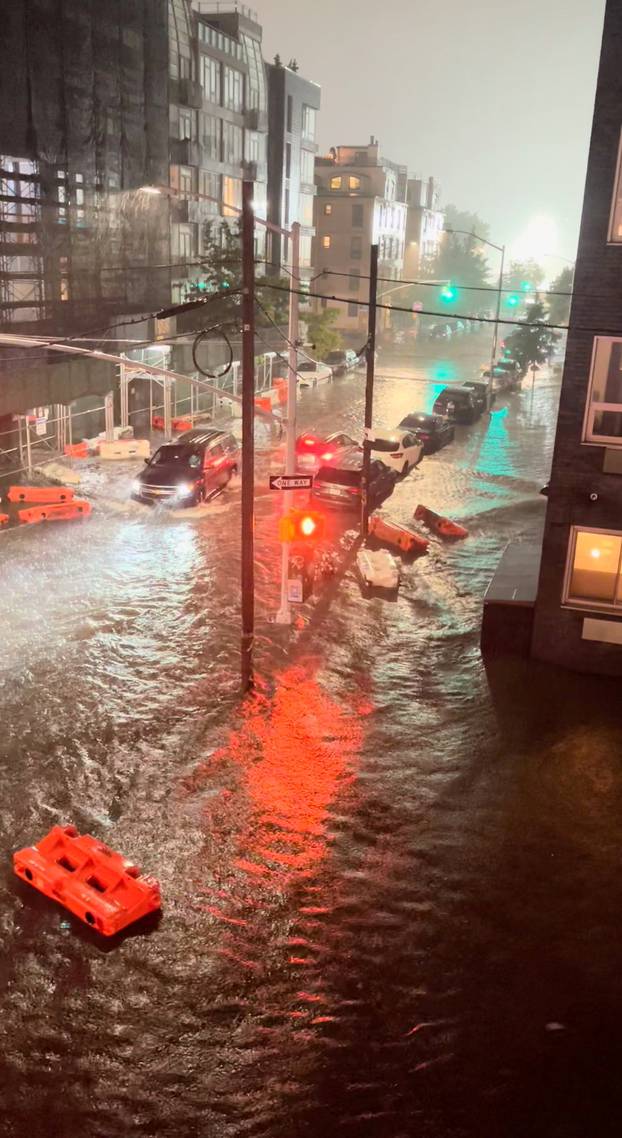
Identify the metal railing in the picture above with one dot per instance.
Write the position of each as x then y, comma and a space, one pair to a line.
222, 7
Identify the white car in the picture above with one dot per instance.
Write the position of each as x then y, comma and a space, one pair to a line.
399, 450
310, 373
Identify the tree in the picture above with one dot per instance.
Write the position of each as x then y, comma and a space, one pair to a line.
559, 306
321, 331
462, 262
523, 276
532, 345
221, 269
461, 219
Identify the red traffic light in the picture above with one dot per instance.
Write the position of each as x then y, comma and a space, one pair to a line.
301, 525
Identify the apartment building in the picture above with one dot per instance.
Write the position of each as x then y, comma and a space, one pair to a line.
294, 103
360, 201
424, 226
578, 610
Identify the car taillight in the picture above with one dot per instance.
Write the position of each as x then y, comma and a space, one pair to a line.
327, 456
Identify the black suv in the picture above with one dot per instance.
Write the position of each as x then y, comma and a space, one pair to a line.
457, 404
340, 485
479, 391
431, 430
189, 470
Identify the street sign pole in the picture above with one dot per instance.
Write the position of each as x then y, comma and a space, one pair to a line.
248, 444
369, 388
284, 614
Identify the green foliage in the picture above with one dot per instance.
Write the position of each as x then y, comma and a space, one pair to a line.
559, 306
530, 345
461, 261
222, 269
322, 333
461, 219
523, 276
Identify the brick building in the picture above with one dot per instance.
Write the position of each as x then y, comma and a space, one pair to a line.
578, 610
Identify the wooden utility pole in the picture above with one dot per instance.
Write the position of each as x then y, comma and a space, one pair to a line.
369, 388
248, 439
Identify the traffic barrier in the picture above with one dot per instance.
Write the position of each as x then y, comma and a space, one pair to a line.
180, 425
55, 512
4, 519
263, 403
444, 527
280, 387
391, 534
39, 494
157, 423
76, 450
97, 885
125, 448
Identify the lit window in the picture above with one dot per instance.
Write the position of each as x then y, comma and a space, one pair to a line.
327, 241
354, 183
603, 413
328, 209
335, 183
594, 573
306, 210
615, 221
231, 197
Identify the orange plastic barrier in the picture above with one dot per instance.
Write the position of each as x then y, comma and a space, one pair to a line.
404, 539
280, 386
157, 423
181, 425
55, 512
4, 519
39, 494
76, 450
97, 885
264, 403
442, 526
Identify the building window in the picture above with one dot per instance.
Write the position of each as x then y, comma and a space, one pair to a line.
186, 250
594, 569
210, 188
328, 209
286, 208
185, 181
186, 127
355, 278
233, 89
211, 128
307, 167
288, 159
253, 149
356, 248
357, 216
354, 183
308, 123
603, 413
305, 251
290, 112
306, 210
232, 143
210, 79
353, 309
615, 221
335, 183
231, 196
326, 241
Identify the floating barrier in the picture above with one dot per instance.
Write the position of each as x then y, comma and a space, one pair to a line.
378, 569
40, 494
263, 403
157, 423
442, 526
55, 512
4, 519
391, 534
124, 448
97, 885
280, 387
180, 425
76, 450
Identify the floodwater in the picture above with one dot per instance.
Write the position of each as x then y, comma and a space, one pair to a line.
391, 885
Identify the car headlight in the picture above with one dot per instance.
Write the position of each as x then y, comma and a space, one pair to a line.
136, 486
184, 489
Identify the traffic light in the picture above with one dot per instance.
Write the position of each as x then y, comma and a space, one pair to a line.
449, 293
512, 300
301, 525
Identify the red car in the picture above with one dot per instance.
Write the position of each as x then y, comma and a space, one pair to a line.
313, 451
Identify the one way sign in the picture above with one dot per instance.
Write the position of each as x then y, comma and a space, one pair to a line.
291, 481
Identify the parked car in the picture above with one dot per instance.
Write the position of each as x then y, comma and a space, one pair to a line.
340, 485
440, 332
315, 450
341, 360
311, 372
431, 430
457, 404
479, 391
458, 327
189, 470
399, 450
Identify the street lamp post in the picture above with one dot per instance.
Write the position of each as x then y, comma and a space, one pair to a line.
495, 335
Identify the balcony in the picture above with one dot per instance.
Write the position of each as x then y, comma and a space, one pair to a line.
184, 152
190, 93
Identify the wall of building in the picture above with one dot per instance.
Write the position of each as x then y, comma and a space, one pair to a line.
578, 469
291, 159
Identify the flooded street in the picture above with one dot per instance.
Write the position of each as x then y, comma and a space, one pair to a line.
391, 886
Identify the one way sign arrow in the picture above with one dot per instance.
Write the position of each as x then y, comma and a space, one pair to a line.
291, 481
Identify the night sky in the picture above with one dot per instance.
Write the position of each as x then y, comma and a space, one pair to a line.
492, 97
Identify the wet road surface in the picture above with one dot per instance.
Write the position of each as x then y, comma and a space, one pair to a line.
391, 882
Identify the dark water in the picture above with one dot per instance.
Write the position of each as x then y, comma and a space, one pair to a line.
391, 882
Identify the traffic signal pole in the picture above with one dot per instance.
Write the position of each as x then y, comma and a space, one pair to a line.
284, 614
369, 389
495, 334
248, 441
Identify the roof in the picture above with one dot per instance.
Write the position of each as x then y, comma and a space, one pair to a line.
199, 436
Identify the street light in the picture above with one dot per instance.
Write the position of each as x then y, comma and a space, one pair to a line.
495, 336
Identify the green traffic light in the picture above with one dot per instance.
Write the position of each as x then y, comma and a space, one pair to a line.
512, 300
525, 285
448, 293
